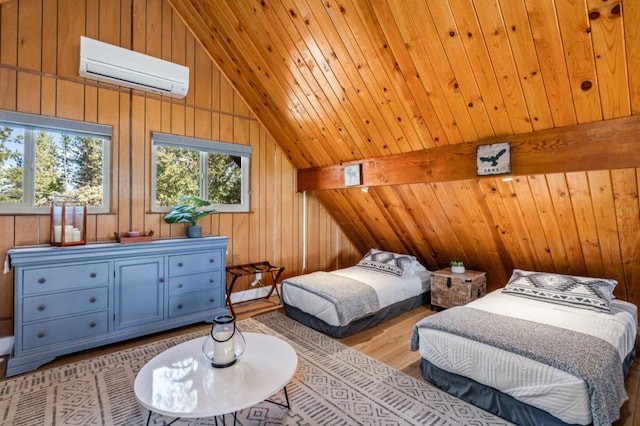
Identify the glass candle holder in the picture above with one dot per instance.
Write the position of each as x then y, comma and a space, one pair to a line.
68, 223
225, 344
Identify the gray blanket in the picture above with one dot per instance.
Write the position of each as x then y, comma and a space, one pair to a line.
353, 299
591, 359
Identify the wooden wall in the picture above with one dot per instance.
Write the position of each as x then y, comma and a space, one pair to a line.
39, 55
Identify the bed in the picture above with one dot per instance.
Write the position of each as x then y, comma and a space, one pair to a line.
546, 349
346, 301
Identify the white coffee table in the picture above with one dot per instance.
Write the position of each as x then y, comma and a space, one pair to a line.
181, 383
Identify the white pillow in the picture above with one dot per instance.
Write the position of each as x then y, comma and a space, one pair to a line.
419, 270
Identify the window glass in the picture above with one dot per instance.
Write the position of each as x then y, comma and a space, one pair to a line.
215, 171
177, 174
42, 158
224, 178
12, 165
68, 165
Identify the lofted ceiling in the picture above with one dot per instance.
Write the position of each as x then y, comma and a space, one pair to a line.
338, 82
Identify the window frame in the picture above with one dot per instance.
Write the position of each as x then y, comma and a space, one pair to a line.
205, 146
33, 122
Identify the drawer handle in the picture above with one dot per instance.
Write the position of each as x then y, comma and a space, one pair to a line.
180, 306
92, 299
448, 282
479, 292
41, 281
211, 299
42, 307
42, 334
211, 280
93, 275
161, 279
180, 264
92, 324
180, 285
212, 260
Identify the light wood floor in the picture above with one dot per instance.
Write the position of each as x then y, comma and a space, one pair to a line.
387, 342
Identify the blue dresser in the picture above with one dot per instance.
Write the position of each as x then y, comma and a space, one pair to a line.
68, 299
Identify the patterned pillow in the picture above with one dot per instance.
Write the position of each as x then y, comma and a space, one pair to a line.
580, 292
384, 261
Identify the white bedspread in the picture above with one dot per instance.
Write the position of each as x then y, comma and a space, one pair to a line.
531, 382
389, 288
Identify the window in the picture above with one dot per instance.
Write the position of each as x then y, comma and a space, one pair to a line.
42, 158
214, 171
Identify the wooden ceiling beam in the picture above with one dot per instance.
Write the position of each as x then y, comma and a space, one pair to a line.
610, 144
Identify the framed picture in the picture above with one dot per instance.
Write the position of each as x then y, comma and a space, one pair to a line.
352, 175
494, 159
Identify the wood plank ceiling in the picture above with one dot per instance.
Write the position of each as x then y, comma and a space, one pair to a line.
337, 82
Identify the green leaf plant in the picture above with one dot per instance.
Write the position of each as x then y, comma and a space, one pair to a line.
190, 210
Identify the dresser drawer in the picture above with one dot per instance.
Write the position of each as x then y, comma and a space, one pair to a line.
194, 302
194, 263
195, 282
65, 329
36, 308
44, 280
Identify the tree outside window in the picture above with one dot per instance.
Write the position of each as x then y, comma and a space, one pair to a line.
38, 164
11, 166
215, 171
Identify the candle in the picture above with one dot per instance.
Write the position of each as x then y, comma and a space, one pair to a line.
224, 345
68, 233
77, 236
57, 233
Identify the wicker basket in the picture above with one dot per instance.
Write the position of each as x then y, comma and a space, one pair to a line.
449, 289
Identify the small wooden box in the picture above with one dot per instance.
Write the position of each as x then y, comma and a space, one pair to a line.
449, 289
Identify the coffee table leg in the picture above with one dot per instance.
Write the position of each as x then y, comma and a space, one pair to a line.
235, 413
286, 397
224, 421
168, 424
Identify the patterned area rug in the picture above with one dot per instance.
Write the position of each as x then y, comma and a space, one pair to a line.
334, 385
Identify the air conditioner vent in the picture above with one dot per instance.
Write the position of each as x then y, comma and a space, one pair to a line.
105, 62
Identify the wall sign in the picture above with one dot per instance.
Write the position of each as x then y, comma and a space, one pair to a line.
494, 159
352, 175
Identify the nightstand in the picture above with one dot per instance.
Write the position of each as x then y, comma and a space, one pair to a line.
449, 289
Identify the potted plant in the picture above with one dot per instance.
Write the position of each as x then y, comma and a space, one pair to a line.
190, 210
457, 267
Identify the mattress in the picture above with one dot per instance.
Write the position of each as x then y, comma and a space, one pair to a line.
390, 289
361, 324
539, 385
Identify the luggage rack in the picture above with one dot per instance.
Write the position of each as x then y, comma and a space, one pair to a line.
248, 269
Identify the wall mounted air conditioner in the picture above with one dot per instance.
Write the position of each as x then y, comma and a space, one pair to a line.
113, 64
